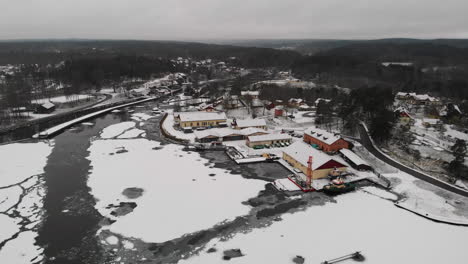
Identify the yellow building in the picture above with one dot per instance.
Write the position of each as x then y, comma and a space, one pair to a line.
297, 155
201, 119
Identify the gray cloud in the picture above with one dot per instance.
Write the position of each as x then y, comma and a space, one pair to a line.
229, 19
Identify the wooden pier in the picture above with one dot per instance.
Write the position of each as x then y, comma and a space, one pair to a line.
357, 256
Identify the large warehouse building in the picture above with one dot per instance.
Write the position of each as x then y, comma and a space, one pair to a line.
326, 141
201, 119
297, 155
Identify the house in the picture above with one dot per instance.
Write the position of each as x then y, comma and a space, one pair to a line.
297, 155
279, 111
200, 119
317, 102
246, 123
296, 102
403, 116
45, 108
324, 140
431, 122
417, 99
226, 134
269, 139
206, 107
253, 94
354, 160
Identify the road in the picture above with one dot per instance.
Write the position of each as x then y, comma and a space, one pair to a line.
367, 143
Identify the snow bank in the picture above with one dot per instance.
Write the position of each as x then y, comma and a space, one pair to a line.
21, 160
8, 227
21, 250
426, 198
132, 133
180, 195
141, 116
380, 193
117, 129
357, 222
9, 197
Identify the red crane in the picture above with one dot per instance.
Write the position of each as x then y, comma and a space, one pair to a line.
309, 173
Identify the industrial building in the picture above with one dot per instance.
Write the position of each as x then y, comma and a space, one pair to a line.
246, 123
268, 140
201, 119
324, 140
354, 160
227, 134
297, 155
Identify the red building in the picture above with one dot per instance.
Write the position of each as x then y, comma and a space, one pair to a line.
326, 141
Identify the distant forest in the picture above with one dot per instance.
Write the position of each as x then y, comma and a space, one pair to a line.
439, 69
439, 66
45, 52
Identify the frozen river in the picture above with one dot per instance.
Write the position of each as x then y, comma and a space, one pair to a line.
112, 190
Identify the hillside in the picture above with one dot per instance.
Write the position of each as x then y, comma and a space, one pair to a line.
53, 51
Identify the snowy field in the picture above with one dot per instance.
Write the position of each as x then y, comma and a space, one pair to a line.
21, 193
356, 222
63, 99
181, 195
419, 195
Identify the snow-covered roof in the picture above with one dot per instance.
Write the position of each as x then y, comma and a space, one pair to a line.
386, 64
47, 105
250, 122
353, 157
401, 110
300, 151
253, 93
296, 100
201, 116
226, 131
322, 99
432, 121
269, 137
252, 130
322, 135
419, 97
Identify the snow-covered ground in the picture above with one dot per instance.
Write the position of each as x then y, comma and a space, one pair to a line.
22, 160
117, 129
356, 222
419, 195
424, 197
21, 193
181, 193
63, 99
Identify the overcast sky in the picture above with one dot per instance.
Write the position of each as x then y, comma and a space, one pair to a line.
233, 19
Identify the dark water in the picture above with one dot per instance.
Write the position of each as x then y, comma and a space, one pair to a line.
68, 231
264, 171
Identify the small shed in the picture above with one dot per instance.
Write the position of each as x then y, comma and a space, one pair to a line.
354, 160
45, 108
278, 111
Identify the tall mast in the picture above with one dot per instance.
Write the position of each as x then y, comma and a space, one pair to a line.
309, 172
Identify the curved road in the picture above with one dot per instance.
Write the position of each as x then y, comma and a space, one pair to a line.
367, 143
